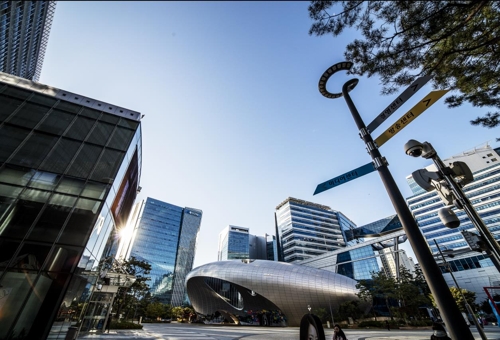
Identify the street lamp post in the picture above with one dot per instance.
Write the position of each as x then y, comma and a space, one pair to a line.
467, 306
444, 299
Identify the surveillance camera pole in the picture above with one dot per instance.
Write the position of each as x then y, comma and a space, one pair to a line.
463, 201
467, 306
449, 310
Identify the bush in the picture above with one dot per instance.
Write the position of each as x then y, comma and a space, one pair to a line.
420, 323
124, 325
371, 323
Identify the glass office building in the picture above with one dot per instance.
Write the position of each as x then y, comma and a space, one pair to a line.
307, 229
473, 270
366, 245
234, 243
165, 236
69, 171
24, 33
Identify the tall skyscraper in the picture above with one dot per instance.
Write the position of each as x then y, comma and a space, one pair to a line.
473, 270
24, 33
307, 229
164, 235
69, 172
236, 243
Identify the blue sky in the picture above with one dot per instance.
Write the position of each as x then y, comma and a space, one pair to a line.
234, 122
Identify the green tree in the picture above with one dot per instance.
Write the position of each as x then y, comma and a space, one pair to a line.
178, 312
458, 295
322, 314
128, 298
409, 293
349, 309
156, 310
456, 42
380, 285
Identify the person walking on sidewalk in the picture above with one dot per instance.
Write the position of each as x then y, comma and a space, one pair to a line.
338, 333
108, 323
387, 325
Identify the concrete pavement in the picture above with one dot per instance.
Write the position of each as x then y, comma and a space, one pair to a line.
218, 332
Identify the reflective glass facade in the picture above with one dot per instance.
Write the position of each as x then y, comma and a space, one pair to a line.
165, 236
349, 263
24, 33
234, 243
68, 174
307, 229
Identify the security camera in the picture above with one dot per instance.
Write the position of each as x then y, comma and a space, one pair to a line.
414, 148
448, 218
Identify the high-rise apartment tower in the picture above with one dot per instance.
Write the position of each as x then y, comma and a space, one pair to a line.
307, 229
24, 33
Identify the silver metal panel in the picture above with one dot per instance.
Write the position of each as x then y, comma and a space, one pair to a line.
291, 288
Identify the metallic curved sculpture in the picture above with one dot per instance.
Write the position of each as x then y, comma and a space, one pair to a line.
233, 288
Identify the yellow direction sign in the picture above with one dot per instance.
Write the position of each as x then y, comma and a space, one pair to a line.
408, 117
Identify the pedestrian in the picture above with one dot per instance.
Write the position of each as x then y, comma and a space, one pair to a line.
388, 325
338, 333
311, 328
108, 323
439, 332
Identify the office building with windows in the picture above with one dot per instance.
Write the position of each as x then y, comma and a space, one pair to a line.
393, 260
24, 33
236, 243
306, 229
69, 172
473, 270
164, 235
367, 246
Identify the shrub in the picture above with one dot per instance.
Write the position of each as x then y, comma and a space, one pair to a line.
371, 323
124, 325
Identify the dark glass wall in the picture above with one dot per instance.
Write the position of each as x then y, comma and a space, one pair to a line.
59, 166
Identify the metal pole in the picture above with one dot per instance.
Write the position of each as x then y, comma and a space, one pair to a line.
476, 220
467, 306
446, 304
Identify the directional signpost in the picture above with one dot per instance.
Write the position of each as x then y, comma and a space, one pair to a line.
409, 116
348, 176
396, 104
446, 304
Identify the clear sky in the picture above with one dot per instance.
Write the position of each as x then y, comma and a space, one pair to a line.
234, 122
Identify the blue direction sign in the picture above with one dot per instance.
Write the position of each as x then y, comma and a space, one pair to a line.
348, 176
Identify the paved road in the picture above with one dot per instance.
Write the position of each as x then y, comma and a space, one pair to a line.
175, 331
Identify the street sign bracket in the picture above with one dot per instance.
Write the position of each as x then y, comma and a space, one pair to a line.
370, 146
363, 132
379, 162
